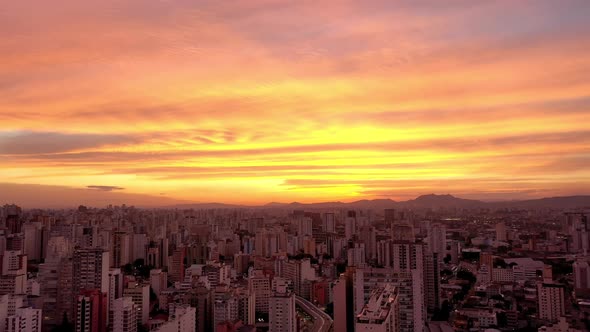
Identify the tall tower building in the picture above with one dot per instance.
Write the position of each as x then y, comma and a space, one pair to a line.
120, 251
259, 284
551, 301
329, 223
24, 320
158, 281
437, 239
176, 267
282, 317
403, 232
350, 225
13, 276
115, 290
501, 232
125, 317
91, 311
368, 236
432, 281
381, 312
344, 302
182, 319
90, 270
411, 291
582, 276
305, 226
140, 294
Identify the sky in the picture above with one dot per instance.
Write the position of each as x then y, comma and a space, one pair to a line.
254, 101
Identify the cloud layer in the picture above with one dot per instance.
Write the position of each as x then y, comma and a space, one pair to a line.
267, 100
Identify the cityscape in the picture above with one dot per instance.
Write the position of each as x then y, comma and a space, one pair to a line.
294, 166
441, 265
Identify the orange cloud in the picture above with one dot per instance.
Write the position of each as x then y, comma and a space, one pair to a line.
296, 101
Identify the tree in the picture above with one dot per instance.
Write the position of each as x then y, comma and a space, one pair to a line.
466, 275
65, 325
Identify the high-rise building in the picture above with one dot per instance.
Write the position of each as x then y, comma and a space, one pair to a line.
65, 291
125, 317
158, 281
48, 278
305, 226
381, 312
13, 276
282, 315
115, 290
138, 248
176, 265
182, 319
350, 225
400, 255
551, 301
300, 273
432, 293
140, 294
4, 299
582, 276
402, 231
33, 236
259, 284
24, 320
120, 249
437, 239
344, 301
329, 223
410, 287
90, 270
368, 236
91, 311
356, 255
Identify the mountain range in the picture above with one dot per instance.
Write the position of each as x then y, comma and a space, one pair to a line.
432, 201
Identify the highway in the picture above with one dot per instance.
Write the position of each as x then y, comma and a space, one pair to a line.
321, 321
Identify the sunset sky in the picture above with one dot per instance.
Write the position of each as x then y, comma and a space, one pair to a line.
253, 101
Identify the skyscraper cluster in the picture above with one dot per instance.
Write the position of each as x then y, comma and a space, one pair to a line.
125, 269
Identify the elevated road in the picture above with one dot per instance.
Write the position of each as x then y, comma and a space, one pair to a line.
321, 320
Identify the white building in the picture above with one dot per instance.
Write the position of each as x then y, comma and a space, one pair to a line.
182, 319
259, 285
125, 317
561, 326
437, 239
581, 275
282, 315
551, 301
158, 281
115, 289
24, 320
329, 223
86, 263
410, 287
140, 294
381, 312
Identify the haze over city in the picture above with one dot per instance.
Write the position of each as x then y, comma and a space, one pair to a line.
294, 166
251, 102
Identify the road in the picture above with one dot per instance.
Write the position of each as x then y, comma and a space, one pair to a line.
321, 320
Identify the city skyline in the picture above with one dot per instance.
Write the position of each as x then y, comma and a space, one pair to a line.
251, 102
